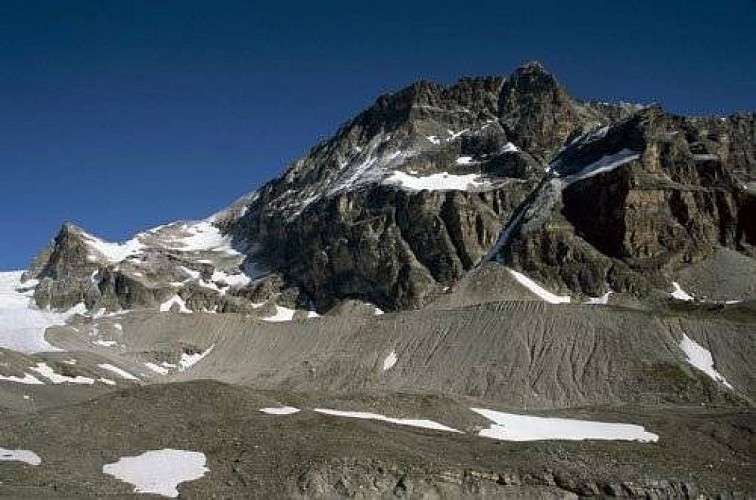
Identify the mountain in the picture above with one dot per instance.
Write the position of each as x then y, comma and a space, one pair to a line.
431, 183
569, 292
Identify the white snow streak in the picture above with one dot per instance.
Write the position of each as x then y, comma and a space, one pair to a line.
283, 410
118, 371
56, 378
28, 379
157, 368
538, 289
604, 164
390, 361
701, 359
513, 427
426, 424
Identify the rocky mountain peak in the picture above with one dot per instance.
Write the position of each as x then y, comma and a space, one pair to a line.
432, 181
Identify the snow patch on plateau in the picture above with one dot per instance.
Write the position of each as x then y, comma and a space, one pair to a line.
514, 427
701, 359
159, 471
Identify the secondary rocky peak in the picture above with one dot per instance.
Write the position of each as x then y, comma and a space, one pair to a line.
539, 113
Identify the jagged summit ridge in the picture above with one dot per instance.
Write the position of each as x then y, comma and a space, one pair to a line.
432, 181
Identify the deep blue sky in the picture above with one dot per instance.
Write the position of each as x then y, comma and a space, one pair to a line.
119, 115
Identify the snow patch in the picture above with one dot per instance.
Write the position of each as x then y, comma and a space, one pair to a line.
25, 456
281, 314
118, 371
514, 427
679, 293
442, 181
510, 148
166, 306
603, 300
105, 343
426, 424
538, 289
283, 410
701, 359
22, 325
390, 361
159, 471
28, 379
114, 253
56, 378
189, 360
157, 368
604, 164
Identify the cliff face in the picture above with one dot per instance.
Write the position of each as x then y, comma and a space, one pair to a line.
625, 208
432, 181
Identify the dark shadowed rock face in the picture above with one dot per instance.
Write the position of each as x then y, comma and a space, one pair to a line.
668, 193
414, 192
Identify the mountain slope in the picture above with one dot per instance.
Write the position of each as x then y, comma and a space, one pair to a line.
418, 190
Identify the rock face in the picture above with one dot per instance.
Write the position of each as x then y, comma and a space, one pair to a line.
421, 188
627, 207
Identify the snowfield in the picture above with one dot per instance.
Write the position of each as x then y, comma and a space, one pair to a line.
159, 471
22, 326
513, 427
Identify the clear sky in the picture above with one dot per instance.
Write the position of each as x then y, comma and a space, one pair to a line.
120, 115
